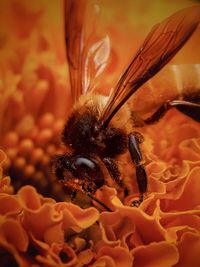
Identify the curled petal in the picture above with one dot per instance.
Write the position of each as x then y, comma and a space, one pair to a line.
5, 185
40, 246
38, 218
39, 221
116, 232
13, 235
177, 223
65, 254
78, 243
29, 198
189, 197
156, 254
9, 205
104, 261
58, 255
114, 257
76, 218
54, 233
145, 228
188, 218
108, 196
189, 250
156, 168
84, 258
190, 149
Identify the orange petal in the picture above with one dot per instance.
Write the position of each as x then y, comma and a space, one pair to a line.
189, 197
9, 205
120, 256
156, 254
38, 221
84, 258
107, 195
145, 228
58, 255
190, 149
29, 198
13, 234
104, 261
189, 250
5, 185
37, 217
76, 218
53, 234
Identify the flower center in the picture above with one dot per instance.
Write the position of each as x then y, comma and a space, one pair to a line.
29, 156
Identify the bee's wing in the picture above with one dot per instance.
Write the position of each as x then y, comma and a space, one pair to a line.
161, 44
87, 56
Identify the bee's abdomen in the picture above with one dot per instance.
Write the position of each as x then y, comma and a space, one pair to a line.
172, 83
187, 78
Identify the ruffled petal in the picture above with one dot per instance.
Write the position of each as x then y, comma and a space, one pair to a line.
156, 254
189, 197
113, 257
9, 205
75, 217
13, 234
189, 250
143, 228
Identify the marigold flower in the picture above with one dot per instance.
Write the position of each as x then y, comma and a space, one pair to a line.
38, 228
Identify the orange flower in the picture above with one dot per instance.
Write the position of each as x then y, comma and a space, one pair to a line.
30, 222
36, 227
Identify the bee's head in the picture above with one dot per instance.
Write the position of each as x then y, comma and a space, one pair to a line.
78, 170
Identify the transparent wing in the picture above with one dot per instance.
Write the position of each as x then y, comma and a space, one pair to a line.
95, 62
87, 55
161, 44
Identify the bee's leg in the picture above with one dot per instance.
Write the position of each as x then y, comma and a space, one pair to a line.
134, 140
115, 173
188, 108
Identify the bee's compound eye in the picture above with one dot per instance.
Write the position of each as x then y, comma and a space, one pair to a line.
84, 163
89, 169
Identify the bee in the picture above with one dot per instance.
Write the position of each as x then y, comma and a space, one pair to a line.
102, 128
